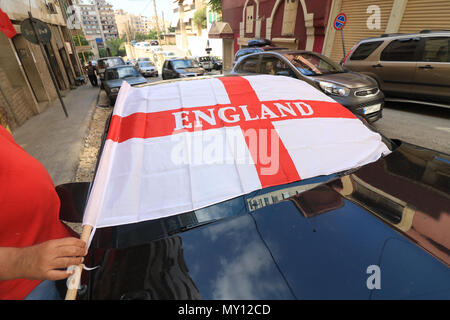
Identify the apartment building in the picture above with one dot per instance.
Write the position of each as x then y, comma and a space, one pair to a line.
97, 20
107, 20
190, 36
131, 23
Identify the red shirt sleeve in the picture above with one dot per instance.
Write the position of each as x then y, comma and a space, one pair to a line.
29, 208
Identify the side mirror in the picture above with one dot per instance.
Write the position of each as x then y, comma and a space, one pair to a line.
73, 198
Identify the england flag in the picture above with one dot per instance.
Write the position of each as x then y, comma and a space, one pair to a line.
180, 146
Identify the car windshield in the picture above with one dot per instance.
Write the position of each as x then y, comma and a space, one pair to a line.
183, 64
121, 73
205, 59
146, 64
310, 64
135, 234
111, 62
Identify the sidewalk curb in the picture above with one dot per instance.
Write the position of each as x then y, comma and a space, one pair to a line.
87, 127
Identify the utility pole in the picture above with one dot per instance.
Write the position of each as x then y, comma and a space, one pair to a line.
157, 23
184, 43
164, 26
82, 52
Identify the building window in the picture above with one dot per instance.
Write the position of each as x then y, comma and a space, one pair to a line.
289, 17
249, 19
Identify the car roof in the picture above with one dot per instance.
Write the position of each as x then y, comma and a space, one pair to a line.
423, 33
264, 48
106, 58
186, 58
120, 66
281, 52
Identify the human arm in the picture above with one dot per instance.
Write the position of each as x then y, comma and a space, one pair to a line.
42, 261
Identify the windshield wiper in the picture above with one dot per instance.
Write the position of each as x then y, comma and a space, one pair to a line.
190, 227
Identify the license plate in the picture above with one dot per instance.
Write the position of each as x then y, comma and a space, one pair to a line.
371, 109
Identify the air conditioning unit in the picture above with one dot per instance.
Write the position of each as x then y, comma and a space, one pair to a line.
51, 8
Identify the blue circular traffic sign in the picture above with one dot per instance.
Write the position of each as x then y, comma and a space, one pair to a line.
340, 21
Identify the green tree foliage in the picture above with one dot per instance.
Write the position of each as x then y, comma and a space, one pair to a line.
146, 36
200, 18
215, 5
102, 52
117, 46
87, 54
80, 39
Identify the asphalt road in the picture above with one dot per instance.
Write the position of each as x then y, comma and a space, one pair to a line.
422, 125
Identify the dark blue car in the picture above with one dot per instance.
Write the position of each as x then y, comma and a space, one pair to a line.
114, 76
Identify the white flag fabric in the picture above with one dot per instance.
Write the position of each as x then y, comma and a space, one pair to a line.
180, 146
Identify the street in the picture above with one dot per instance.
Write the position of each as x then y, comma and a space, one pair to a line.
422, 125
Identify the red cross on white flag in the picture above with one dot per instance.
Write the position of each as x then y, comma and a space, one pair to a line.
180, 146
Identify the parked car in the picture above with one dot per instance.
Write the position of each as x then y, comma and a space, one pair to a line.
107, 62
157, 49
359, 93
254, 46
147, 68
408, 67
317, 238
168, 54
114, 76
181, 68
217, 63
206, 62
132, 61
143, 44
154, 43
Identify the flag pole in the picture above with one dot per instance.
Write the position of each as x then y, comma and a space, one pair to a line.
74, 281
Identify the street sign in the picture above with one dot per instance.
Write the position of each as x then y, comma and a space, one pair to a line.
42, 31
340, 21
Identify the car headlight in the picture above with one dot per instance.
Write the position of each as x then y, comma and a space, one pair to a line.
114, 90
333, 89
